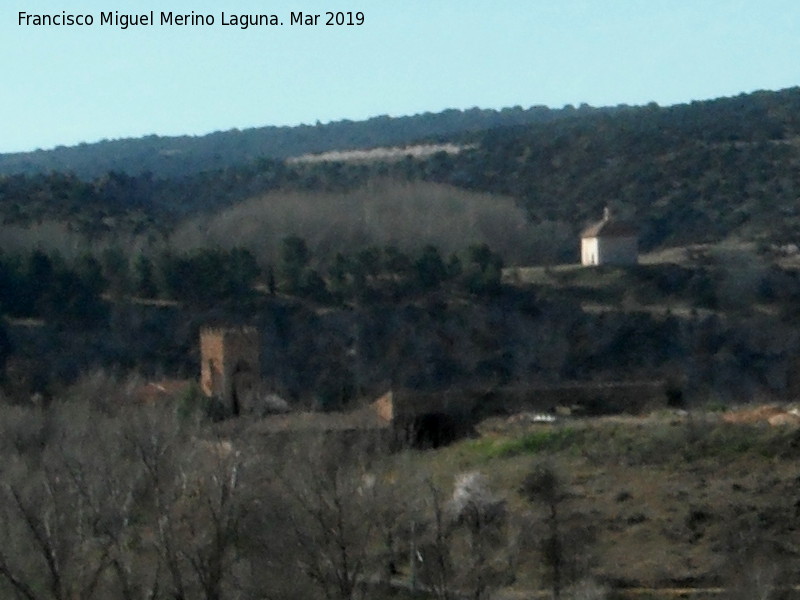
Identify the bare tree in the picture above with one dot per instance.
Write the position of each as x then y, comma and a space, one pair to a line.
462, 539
63, 511
197, 500
99, 500
208, 520
434, 558
109, 485
329, 497
543, 485
47, 543
476, 509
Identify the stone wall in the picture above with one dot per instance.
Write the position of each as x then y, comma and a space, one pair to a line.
230, 368
614, 250
436, 418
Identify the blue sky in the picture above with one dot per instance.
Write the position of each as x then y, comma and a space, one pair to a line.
65, 85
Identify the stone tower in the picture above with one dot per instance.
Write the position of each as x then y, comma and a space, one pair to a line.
229, 365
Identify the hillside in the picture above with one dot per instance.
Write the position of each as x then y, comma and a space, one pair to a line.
186, 155
673, 504
690, 173
386, 245
719, 329
724, 169
447, 276
667, 500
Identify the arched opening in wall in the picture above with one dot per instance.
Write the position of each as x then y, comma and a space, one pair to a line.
432, 430
244, 382
214, 380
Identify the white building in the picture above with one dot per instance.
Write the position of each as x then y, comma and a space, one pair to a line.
609, 242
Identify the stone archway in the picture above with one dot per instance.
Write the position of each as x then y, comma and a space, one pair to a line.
432, 430
244, 382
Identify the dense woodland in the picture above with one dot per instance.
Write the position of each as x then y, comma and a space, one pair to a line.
688, 173
328, 246
381, 319
179, 156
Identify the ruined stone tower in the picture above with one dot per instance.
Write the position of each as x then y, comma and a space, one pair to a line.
230, 370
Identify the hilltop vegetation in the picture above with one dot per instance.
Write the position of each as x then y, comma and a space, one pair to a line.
187, 155
406, 239
702, 172
690, 173
335, 334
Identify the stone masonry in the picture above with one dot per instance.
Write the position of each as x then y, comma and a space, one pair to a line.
230, 365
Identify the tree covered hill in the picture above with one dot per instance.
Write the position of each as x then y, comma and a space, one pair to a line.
185, 155
690, 173
693, 173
